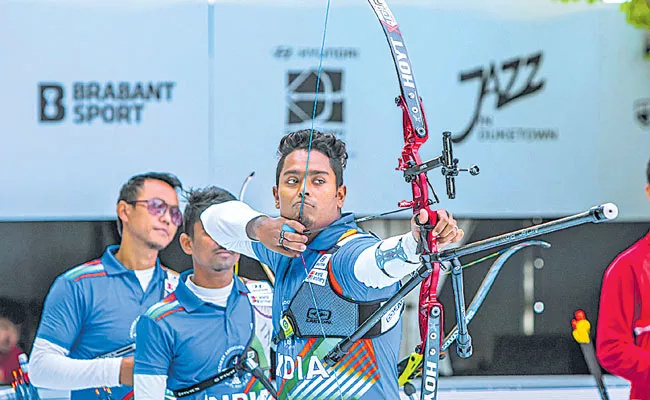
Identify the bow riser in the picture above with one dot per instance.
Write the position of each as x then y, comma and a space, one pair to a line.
420, 191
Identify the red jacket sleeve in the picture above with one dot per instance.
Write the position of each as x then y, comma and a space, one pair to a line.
619, 308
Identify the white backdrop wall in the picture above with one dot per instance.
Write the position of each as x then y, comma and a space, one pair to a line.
69, 160
207, 90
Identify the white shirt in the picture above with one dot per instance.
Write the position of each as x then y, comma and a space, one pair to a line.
144, 276
217, 297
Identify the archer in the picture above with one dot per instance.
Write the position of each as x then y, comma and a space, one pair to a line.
327, 282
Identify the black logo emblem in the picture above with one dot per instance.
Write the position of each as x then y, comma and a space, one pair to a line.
301, 94
319, 316
283, 52
642, 112
51, 97
493, 81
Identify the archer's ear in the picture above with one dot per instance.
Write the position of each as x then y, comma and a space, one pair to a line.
122, 211
341, 192
276, 197
647, 190
186, 243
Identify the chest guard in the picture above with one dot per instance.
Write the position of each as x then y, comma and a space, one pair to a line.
319, 308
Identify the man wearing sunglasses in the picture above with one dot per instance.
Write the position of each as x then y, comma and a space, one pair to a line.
86, 336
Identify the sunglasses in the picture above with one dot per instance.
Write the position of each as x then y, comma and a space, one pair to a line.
158, 207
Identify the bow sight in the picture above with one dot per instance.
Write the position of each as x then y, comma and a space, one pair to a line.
448, 163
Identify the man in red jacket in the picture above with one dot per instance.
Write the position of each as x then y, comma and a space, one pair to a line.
623, 338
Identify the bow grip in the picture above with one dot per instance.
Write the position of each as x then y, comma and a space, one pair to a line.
428, 242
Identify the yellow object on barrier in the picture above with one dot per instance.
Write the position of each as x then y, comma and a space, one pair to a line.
581, 327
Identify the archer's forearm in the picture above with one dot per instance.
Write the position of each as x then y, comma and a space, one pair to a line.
50, 367
387, 262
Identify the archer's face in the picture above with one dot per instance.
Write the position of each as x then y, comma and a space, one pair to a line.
323, 199
156, 232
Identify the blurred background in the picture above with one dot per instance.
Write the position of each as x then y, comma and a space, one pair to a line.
550, 99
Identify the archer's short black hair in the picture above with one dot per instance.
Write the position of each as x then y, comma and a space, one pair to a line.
326, 143
200, 199
131, 189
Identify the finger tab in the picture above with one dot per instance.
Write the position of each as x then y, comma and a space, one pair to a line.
287, 228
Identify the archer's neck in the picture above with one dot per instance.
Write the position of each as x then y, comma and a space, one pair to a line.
135, 257
211, 279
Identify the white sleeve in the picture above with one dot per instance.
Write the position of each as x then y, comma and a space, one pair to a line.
149, 387
50, 367
226, 225
368, 272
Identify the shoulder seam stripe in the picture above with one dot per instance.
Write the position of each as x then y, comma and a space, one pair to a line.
83, 270
91, 275
161, 308
170, 312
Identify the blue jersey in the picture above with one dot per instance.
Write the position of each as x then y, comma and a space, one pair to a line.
189, 341
92, 309
369, 370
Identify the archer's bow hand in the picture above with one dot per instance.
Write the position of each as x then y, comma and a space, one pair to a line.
446, 229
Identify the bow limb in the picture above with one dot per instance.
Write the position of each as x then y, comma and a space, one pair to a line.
415, 134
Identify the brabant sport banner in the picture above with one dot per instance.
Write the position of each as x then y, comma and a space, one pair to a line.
552, 105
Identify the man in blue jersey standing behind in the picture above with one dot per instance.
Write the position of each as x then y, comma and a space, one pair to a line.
192, 342
328, 281
85, 339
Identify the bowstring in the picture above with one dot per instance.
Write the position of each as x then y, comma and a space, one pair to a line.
304, 189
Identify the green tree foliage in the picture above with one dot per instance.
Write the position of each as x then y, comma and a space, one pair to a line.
637, 12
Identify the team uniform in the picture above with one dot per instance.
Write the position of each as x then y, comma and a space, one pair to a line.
623, 337
186, 340
324, 300
91, 311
